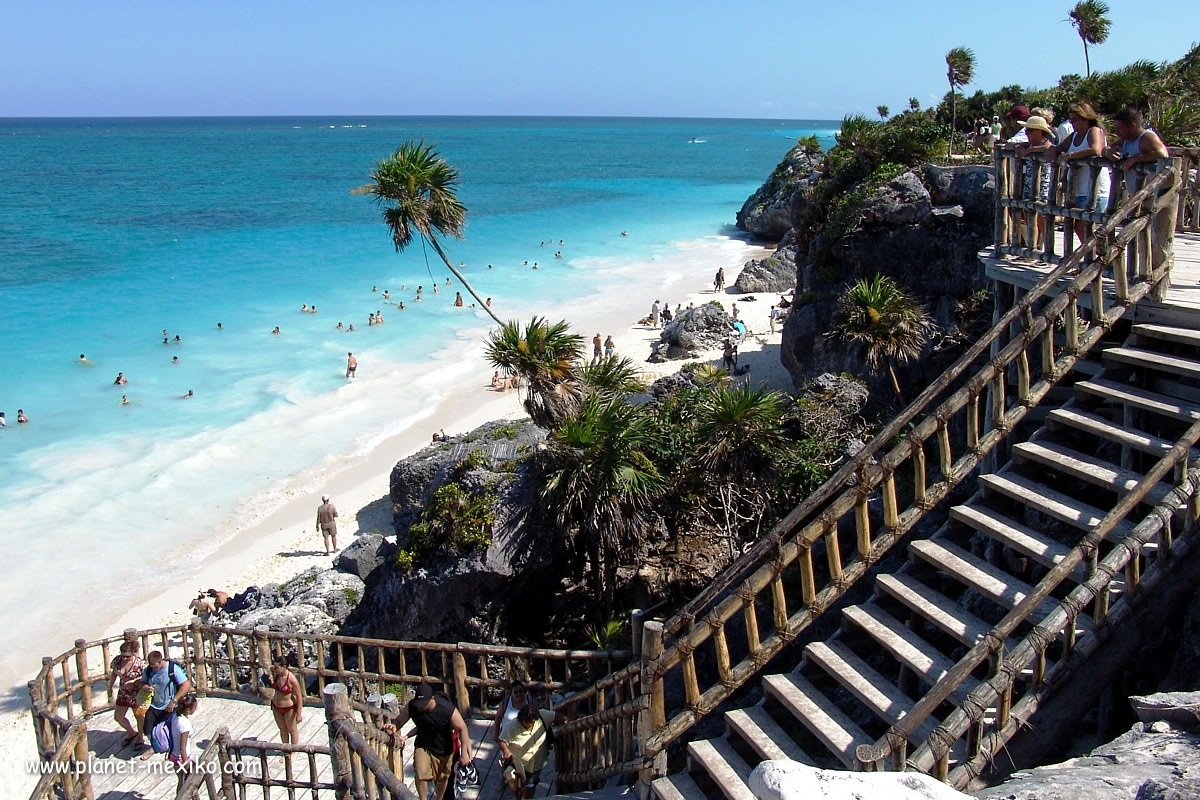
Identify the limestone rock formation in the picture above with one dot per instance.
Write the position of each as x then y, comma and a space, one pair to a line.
1150, 761
696, 329
776, 273
366, 554
774, 208
782, 779
315, 601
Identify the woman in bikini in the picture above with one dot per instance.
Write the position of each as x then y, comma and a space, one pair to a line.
287, 702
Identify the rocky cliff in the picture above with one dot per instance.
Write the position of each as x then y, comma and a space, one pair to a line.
922, 227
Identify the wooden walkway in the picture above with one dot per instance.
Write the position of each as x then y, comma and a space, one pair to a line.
118, 773
1181, 307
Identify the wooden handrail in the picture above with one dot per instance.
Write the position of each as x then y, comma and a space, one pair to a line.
899, 734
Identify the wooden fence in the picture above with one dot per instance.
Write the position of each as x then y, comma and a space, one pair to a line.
232, 662
762, 601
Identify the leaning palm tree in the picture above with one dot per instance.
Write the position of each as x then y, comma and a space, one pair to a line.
742, 441
601, 483
960, 69
914, 104
880, 315
883, 111
1091, 22
546, 357
416, 188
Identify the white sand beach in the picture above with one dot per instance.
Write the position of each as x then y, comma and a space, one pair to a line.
283, 543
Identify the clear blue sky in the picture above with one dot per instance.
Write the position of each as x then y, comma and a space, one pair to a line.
763, 58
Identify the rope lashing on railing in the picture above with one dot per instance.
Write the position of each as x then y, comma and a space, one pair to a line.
1040, 637
941, 741
994, 641
974, 708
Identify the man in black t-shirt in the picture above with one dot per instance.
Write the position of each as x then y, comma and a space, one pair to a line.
435, 719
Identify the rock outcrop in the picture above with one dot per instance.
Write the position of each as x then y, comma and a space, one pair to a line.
694, 330
777, 205
776, 273
1150, 761
315, 601
782, 779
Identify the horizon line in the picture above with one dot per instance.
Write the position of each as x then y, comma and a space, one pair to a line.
413, 116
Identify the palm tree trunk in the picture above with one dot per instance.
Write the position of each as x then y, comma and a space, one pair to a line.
1087, 63
895, 383
953, 121
438, 249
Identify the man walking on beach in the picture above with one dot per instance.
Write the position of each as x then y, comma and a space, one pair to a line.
436, 719
596, 346
655, 310
774, 316
719, 281
327, 522
351, 365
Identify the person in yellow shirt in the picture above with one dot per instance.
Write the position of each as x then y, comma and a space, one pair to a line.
525, 746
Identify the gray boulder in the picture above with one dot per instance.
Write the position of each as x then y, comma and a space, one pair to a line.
971, 187
336, 593
782, 779
1180, 709
1143, 763
694, 330
365, 555
776, 273
297, 618
903, 200
785, 196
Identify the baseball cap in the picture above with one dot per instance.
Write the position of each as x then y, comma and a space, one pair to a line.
324, 498
424, 692
1018, 113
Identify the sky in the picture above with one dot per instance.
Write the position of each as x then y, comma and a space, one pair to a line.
773, 59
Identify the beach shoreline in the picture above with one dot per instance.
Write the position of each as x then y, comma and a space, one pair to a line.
282, 542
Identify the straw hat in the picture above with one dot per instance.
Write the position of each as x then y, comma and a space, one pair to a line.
1038, 124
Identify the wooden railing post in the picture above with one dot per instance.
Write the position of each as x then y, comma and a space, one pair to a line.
1162, 236
654, 718
199, 662
461, 698
81, 669
337, 707
637, 618
84, 776
262, 650
226, 764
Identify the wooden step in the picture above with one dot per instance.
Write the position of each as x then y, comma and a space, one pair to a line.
677, 787
1149, 359
1085, 366
872, 689
918, 655
1013, 535
1104, 429
1086, 468
759, 730
1140, 398
990, 581
935, 607
840, 735
728, 770
1055, 504
1168, 333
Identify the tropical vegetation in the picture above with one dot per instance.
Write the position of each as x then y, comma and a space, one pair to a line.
960, 70
890, 325
1091, 22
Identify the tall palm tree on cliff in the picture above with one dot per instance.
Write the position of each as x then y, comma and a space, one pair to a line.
914, 104
880, 315
960, 69
1091, 22
883, 111
546, 355
416, 188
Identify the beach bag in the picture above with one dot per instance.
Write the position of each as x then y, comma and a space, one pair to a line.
144, 697
161, 739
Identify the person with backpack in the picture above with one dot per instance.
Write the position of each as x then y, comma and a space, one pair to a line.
180, 754
525, 746
436, 720
170, 685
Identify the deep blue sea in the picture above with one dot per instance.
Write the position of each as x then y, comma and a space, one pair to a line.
112, 230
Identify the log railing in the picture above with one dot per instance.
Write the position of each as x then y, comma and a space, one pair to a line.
762, 601
1188, 216
231, 662
1018, 680
65, 770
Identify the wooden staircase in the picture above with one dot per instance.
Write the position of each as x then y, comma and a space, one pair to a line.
1023, 519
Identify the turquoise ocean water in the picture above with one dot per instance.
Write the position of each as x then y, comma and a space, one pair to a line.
113, 230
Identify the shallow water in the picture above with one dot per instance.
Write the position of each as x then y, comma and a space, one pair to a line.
113, 230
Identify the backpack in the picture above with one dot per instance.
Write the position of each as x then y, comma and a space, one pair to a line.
162, 739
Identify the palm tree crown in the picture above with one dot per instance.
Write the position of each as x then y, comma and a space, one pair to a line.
1091, 22
882, 316
416, 188
546, 356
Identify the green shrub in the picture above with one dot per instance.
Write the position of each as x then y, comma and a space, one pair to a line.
454, 521
404, 560
476, 459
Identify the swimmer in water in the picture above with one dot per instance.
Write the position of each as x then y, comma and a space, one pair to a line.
463, 264
458, 300
174, 359
370, 320
312, 310
374, 289
220, 327
177, 339
489, 266
400, 305
166, 340
351, 328
488, 303
124, 400
435, 288
186, 396
84, 359
386, 295
120, 381
378, 317
304, 307
340, 326
276, 331
21, 416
